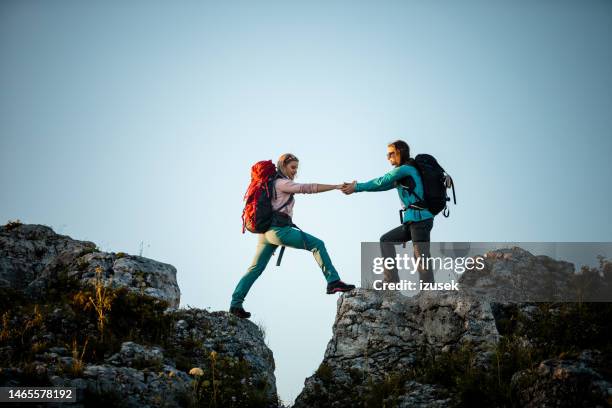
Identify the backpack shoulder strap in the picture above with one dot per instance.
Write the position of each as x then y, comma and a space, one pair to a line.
409, 184
276, 177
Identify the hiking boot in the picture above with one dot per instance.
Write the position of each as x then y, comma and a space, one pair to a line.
240, 312
338, 286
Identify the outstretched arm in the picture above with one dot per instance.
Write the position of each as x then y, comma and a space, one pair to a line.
288, 186
328, 187
384, 183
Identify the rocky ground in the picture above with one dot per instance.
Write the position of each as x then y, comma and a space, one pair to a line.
447, 349
109, 324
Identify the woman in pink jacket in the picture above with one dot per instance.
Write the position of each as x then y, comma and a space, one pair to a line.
283, 232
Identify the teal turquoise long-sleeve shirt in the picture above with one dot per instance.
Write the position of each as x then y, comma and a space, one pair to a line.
390, 180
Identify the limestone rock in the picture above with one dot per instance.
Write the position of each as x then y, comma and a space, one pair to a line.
26, 250
378, 333
35, 262
33, 258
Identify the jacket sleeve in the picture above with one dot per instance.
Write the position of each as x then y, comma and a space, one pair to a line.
384, 183
288, 186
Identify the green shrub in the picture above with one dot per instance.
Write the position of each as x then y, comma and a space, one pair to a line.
324, 373
228, 382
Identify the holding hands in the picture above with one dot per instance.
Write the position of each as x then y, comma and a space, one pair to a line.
348, 188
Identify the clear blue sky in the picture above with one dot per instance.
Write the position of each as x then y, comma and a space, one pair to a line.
123, 122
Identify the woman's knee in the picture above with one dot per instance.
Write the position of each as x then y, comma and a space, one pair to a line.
258, 265
255, 270
316, 242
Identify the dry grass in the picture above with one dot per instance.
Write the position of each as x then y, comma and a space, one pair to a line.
77, 358
103, 300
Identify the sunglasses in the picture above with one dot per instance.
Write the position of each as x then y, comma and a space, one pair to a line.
389, 154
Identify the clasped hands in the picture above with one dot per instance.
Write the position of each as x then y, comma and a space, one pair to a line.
347, 188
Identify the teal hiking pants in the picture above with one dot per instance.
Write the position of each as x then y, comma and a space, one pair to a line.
268, 242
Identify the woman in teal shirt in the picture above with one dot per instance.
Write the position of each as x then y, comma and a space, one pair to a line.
417, 222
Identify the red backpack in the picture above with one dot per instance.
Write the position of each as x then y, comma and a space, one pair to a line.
257, 213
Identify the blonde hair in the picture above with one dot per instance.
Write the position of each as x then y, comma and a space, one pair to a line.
283, 161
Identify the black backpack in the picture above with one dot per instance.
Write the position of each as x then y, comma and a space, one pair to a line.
433, 177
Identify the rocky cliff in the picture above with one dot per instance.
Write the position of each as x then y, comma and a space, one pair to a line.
33, 257
446, 349
109, 325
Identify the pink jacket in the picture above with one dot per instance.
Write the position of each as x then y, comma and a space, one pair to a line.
284, 188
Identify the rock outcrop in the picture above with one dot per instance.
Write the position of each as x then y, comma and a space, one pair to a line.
32, 257
377, 333
108, 324
444, 349
26, 250
515, 275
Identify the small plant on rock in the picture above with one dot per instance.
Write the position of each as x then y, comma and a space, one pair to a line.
103, 300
